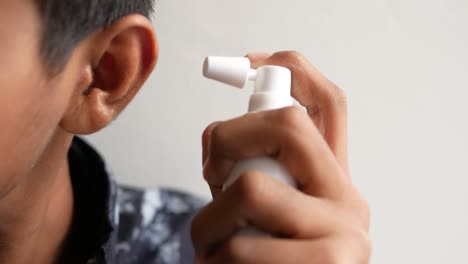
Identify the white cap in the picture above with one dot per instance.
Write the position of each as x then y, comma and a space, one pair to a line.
272, 86
229, 70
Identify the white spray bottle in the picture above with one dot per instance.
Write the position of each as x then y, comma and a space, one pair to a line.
272, 91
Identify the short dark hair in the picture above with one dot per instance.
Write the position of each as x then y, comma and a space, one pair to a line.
67, 22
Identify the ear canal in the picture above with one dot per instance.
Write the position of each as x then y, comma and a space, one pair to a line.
104, 74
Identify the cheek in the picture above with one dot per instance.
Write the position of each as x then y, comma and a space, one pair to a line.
30, 110
30, 106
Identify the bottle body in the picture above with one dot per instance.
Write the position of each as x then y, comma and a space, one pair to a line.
272, 91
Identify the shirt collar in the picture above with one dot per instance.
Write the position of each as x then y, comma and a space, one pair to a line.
95, 205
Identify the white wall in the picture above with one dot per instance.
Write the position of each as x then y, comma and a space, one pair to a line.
404, 66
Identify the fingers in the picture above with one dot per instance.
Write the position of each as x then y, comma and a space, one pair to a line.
324, 101
261, 250
320, 223
215, 189
285, 134
258, 200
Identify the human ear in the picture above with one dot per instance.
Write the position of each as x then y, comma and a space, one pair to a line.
119, 60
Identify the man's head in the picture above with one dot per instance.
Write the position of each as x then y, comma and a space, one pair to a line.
66, 67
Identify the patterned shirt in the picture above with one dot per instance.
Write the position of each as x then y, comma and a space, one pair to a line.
124, 225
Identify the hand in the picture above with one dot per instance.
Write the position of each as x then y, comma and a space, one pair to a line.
325, 220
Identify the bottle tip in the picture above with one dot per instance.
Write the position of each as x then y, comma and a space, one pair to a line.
230, 70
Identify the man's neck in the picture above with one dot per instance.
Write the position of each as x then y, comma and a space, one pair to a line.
36, 215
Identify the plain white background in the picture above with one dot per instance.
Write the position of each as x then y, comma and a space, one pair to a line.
403, 65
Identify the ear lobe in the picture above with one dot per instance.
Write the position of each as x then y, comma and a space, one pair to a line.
123, 54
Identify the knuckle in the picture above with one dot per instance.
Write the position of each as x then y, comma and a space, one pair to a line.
250, 188
364, 242
331, 254
360, 207
209, 129
293, 118
217, 135
363, 246
291, 56
366, 250
206, 173
366, 212
195, 228
341, 97
359, 245
338, 97
350, 247
233, 250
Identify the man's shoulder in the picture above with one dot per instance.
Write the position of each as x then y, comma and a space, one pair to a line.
155, 222
170, 200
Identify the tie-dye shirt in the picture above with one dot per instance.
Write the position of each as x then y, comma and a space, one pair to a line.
116, 224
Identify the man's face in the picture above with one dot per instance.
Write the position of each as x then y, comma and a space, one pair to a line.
31, 103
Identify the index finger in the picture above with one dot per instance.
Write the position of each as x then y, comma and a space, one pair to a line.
286, 134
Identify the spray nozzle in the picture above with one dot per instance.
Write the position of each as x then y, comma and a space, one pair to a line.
272, 83
232, 71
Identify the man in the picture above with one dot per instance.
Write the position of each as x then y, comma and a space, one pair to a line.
69, 67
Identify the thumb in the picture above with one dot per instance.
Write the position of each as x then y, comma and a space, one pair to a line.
258, 59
